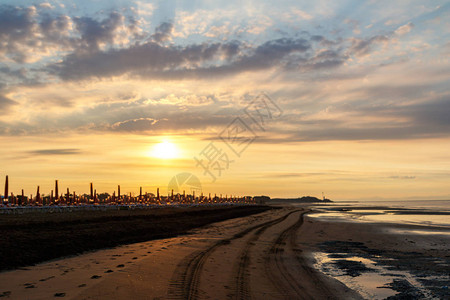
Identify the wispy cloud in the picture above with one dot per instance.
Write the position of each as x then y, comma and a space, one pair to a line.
6, 103
51, 152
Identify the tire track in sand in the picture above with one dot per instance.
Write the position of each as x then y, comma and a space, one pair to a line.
186, 278
282, 278
242, 288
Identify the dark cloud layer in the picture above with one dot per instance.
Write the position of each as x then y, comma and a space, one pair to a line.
154, 60
149, 56
163, 32
16, 26
25, 32
415, 121
114, 46
362, 47
55, 152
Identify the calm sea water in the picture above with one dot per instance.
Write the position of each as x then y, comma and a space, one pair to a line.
423, 204
431, 213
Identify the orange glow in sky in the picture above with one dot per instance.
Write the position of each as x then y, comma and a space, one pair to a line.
110, 93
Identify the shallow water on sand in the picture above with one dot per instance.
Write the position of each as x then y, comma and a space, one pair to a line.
375, 277
426, 213
372, 284
411, 204
389, 216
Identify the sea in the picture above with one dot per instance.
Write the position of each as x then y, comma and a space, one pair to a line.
420, 212
398, 274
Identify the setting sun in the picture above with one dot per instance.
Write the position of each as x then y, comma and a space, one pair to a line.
165, 150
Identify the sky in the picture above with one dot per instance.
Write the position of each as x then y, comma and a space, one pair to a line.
283, 98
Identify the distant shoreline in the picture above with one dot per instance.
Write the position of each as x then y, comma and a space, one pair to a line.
304, 199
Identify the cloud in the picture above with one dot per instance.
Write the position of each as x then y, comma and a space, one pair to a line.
6, 103
7, 72
175, 121
152, 60
300, 13
149, 56
46, 5
56, 30
71, 151
16, 27
402, 177
354, 24
113, 49
142, 124
95, 33
294, 174
361, 47
369, 121
163, 32
144, 9
114, 45
29, 35
402, 30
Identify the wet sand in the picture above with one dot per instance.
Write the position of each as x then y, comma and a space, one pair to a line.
270, 255
381, 260
251, 256
31, 238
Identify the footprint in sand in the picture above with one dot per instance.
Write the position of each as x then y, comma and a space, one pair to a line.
67, 271
120, 266
82, 285
5, 294
48, 278
29, 286
95, 276
60, 294
109, 271
134, 258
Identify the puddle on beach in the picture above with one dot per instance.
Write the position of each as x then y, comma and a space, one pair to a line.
420, 219
419, 232
378, 274
370, 280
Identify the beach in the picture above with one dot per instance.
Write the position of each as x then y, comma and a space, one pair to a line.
224, 149
394, 252
291, 252
43, 234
